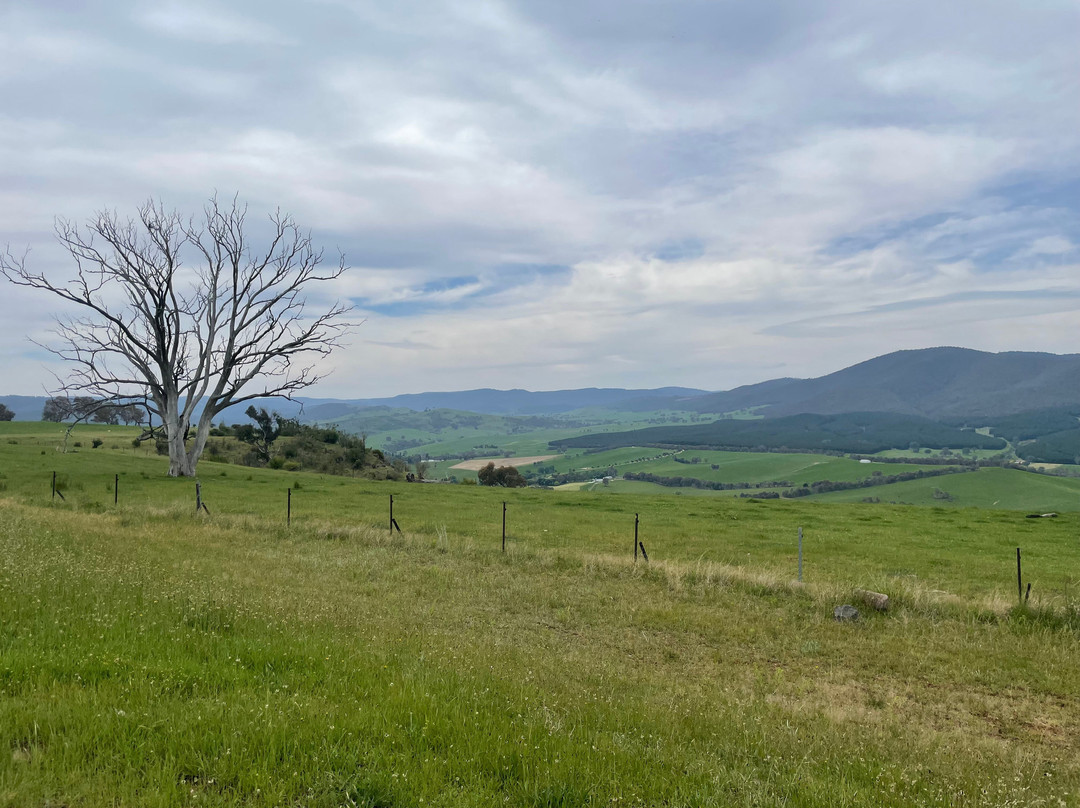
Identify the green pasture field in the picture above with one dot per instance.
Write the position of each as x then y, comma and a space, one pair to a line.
456, 442
492, 431
619, 486
712, 529
525, 444
152, 656
985, 488
753, 467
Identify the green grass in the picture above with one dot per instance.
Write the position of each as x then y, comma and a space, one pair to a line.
985, 488
468, 432
153, 657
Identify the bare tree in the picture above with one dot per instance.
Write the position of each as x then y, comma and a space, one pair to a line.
185, 318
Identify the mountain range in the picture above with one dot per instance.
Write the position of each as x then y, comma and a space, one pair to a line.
939, 383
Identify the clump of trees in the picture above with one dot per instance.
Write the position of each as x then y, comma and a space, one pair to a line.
268, 427
6, 414
504, 476
59, 409
283, 443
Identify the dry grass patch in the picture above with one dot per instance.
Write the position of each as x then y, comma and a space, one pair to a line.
479, 462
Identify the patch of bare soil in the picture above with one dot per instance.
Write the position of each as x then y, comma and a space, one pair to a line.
478, 463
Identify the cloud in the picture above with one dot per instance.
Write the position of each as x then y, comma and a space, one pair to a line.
542, 195
210, 24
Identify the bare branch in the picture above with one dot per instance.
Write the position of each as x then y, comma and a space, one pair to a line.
186, 315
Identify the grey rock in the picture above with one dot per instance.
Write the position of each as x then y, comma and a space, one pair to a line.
875, 600
846, 613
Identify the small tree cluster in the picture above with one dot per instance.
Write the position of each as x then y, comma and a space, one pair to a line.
504, 476
81, 408
268, 427
6, 414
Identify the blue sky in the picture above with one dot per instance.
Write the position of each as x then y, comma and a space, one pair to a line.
547, 195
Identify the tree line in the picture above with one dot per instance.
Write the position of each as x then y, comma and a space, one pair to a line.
59, 409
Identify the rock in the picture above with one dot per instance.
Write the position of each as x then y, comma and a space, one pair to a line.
20, 756
1042, 516
875, 600
846, 613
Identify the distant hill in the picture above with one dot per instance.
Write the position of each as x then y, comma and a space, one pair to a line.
939, 383
525, 402
485, 401
954, 384
26, 408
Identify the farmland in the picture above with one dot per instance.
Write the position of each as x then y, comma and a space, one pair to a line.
152, 656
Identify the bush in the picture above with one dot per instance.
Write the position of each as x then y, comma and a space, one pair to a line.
504, 476
97, 442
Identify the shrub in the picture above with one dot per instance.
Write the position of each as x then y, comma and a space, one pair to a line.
97, 442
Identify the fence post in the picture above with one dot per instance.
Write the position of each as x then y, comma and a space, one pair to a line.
198, 497
393, 521
504, 529
116, 489
1019, 579
288, 508
800, 552
635, 537
54, 485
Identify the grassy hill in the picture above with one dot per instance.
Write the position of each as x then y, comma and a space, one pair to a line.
152, 656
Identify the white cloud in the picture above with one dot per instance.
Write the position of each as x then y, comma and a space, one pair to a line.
210, 24
820, 164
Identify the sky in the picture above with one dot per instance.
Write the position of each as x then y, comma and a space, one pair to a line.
550, 195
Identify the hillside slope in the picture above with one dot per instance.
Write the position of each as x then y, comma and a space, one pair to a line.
932, 382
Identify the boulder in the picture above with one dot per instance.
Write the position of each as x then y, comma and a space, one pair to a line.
875, 600
846, 613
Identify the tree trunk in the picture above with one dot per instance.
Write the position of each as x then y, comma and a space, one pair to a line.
202, 432
180, 462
